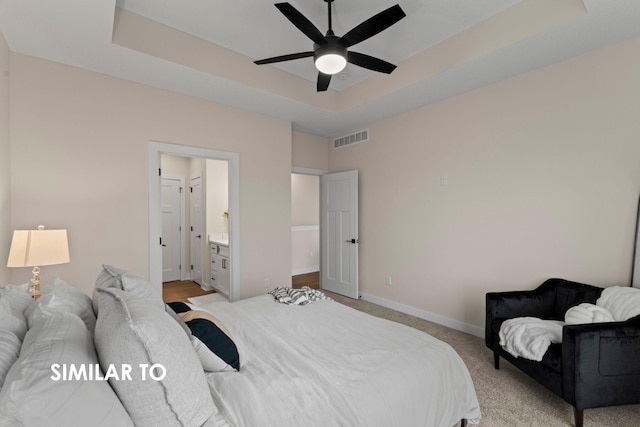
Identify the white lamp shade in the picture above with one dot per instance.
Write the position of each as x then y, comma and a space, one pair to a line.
34, 248
331, 63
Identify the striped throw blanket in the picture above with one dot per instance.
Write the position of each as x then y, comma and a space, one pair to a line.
301, 296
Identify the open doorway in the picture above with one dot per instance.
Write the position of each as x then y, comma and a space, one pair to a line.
305, 230
211, 216
195, 206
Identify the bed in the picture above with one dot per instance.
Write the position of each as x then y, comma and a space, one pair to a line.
319, 364
325, 361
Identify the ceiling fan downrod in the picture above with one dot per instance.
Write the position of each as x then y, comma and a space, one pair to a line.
330, 30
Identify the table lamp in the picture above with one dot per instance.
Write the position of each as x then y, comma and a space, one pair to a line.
35, 248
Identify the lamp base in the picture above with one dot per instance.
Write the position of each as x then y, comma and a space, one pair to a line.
34, 289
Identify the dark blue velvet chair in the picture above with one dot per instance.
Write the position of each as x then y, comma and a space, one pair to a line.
597, 364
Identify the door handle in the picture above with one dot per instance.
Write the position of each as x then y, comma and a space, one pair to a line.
354, 241
199, 236
164, 246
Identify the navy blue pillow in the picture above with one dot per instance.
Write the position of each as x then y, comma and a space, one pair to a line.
179, 307
216, 340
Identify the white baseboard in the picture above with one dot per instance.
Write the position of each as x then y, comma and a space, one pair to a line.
305, 270
422, 314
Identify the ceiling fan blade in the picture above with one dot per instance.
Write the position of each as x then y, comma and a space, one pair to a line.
323, 82
373, 26
282, 58
370, 62
301, 22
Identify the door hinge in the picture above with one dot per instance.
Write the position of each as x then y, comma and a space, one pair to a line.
192, 228
192, 266
161, 241
159, 172
191, 189
180, 189
180, 267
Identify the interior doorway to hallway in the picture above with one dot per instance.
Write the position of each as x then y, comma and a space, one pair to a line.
199, 156
305, 227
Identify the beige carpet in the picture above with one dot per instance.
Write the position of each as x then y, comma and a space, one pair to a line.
507, 396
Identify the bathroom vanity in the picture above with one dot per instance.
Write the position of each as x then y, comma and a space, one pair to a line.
220, 265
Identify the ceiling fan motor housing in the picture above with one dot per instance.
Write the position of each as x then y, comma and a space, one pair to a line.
334, 55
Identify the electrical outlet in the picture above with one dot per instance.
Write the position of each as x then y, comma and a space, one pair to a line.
389, 283
265, 283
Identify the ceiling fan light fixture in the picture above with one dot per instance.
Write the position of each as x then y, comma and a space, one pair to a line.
330, 59
330, 54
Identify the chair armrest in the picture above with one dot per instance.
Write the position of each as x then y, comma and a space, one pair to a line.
508, 305
600, 364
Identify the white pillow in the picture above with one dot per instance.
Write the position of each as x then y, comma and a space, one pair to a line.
60, 296
132, 330
30, 397
14, 299
587, 313
142, 288
9, 351
622, 302
112, 277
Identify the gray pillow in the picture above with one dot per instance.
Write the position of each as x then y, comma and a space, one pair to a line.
60, 296
132, 330
30, 397
178, 320
14, 300
9, 351
112, 277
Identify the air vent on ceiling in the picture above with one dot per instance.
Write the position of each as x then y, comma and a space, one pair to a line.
354, 138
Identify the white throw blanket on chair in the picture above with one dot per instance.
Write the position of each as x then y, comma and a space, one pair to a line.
529, 337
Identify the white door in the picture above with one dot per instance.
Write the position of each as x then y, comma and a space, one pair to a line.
171, 196
196, 229
339, 232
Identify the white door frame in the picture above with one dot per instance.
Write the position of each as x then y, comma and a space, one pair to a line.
183, 252
155, 150
197, 246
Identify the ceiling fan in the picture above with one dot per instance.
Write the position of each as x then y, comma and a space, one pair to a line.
330, 51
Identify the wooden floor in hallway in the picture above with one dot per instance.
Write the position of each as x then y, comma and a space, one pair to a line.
182, 290
311, 280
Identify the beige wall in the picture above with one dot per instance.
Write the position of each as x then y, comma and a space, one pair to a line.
309, 151
543, 180
217, 196
5, 208
305, 199
79, 160
542, 169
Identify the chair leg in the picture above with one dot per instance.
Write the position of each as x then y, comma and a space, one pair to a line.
496, 360
578, 414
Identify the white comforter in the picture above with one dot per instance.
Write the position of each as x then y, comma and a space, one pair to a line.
325, 364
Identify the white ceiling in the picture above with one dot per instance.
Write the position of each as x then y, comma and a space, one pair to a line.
258, 30
79, 32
